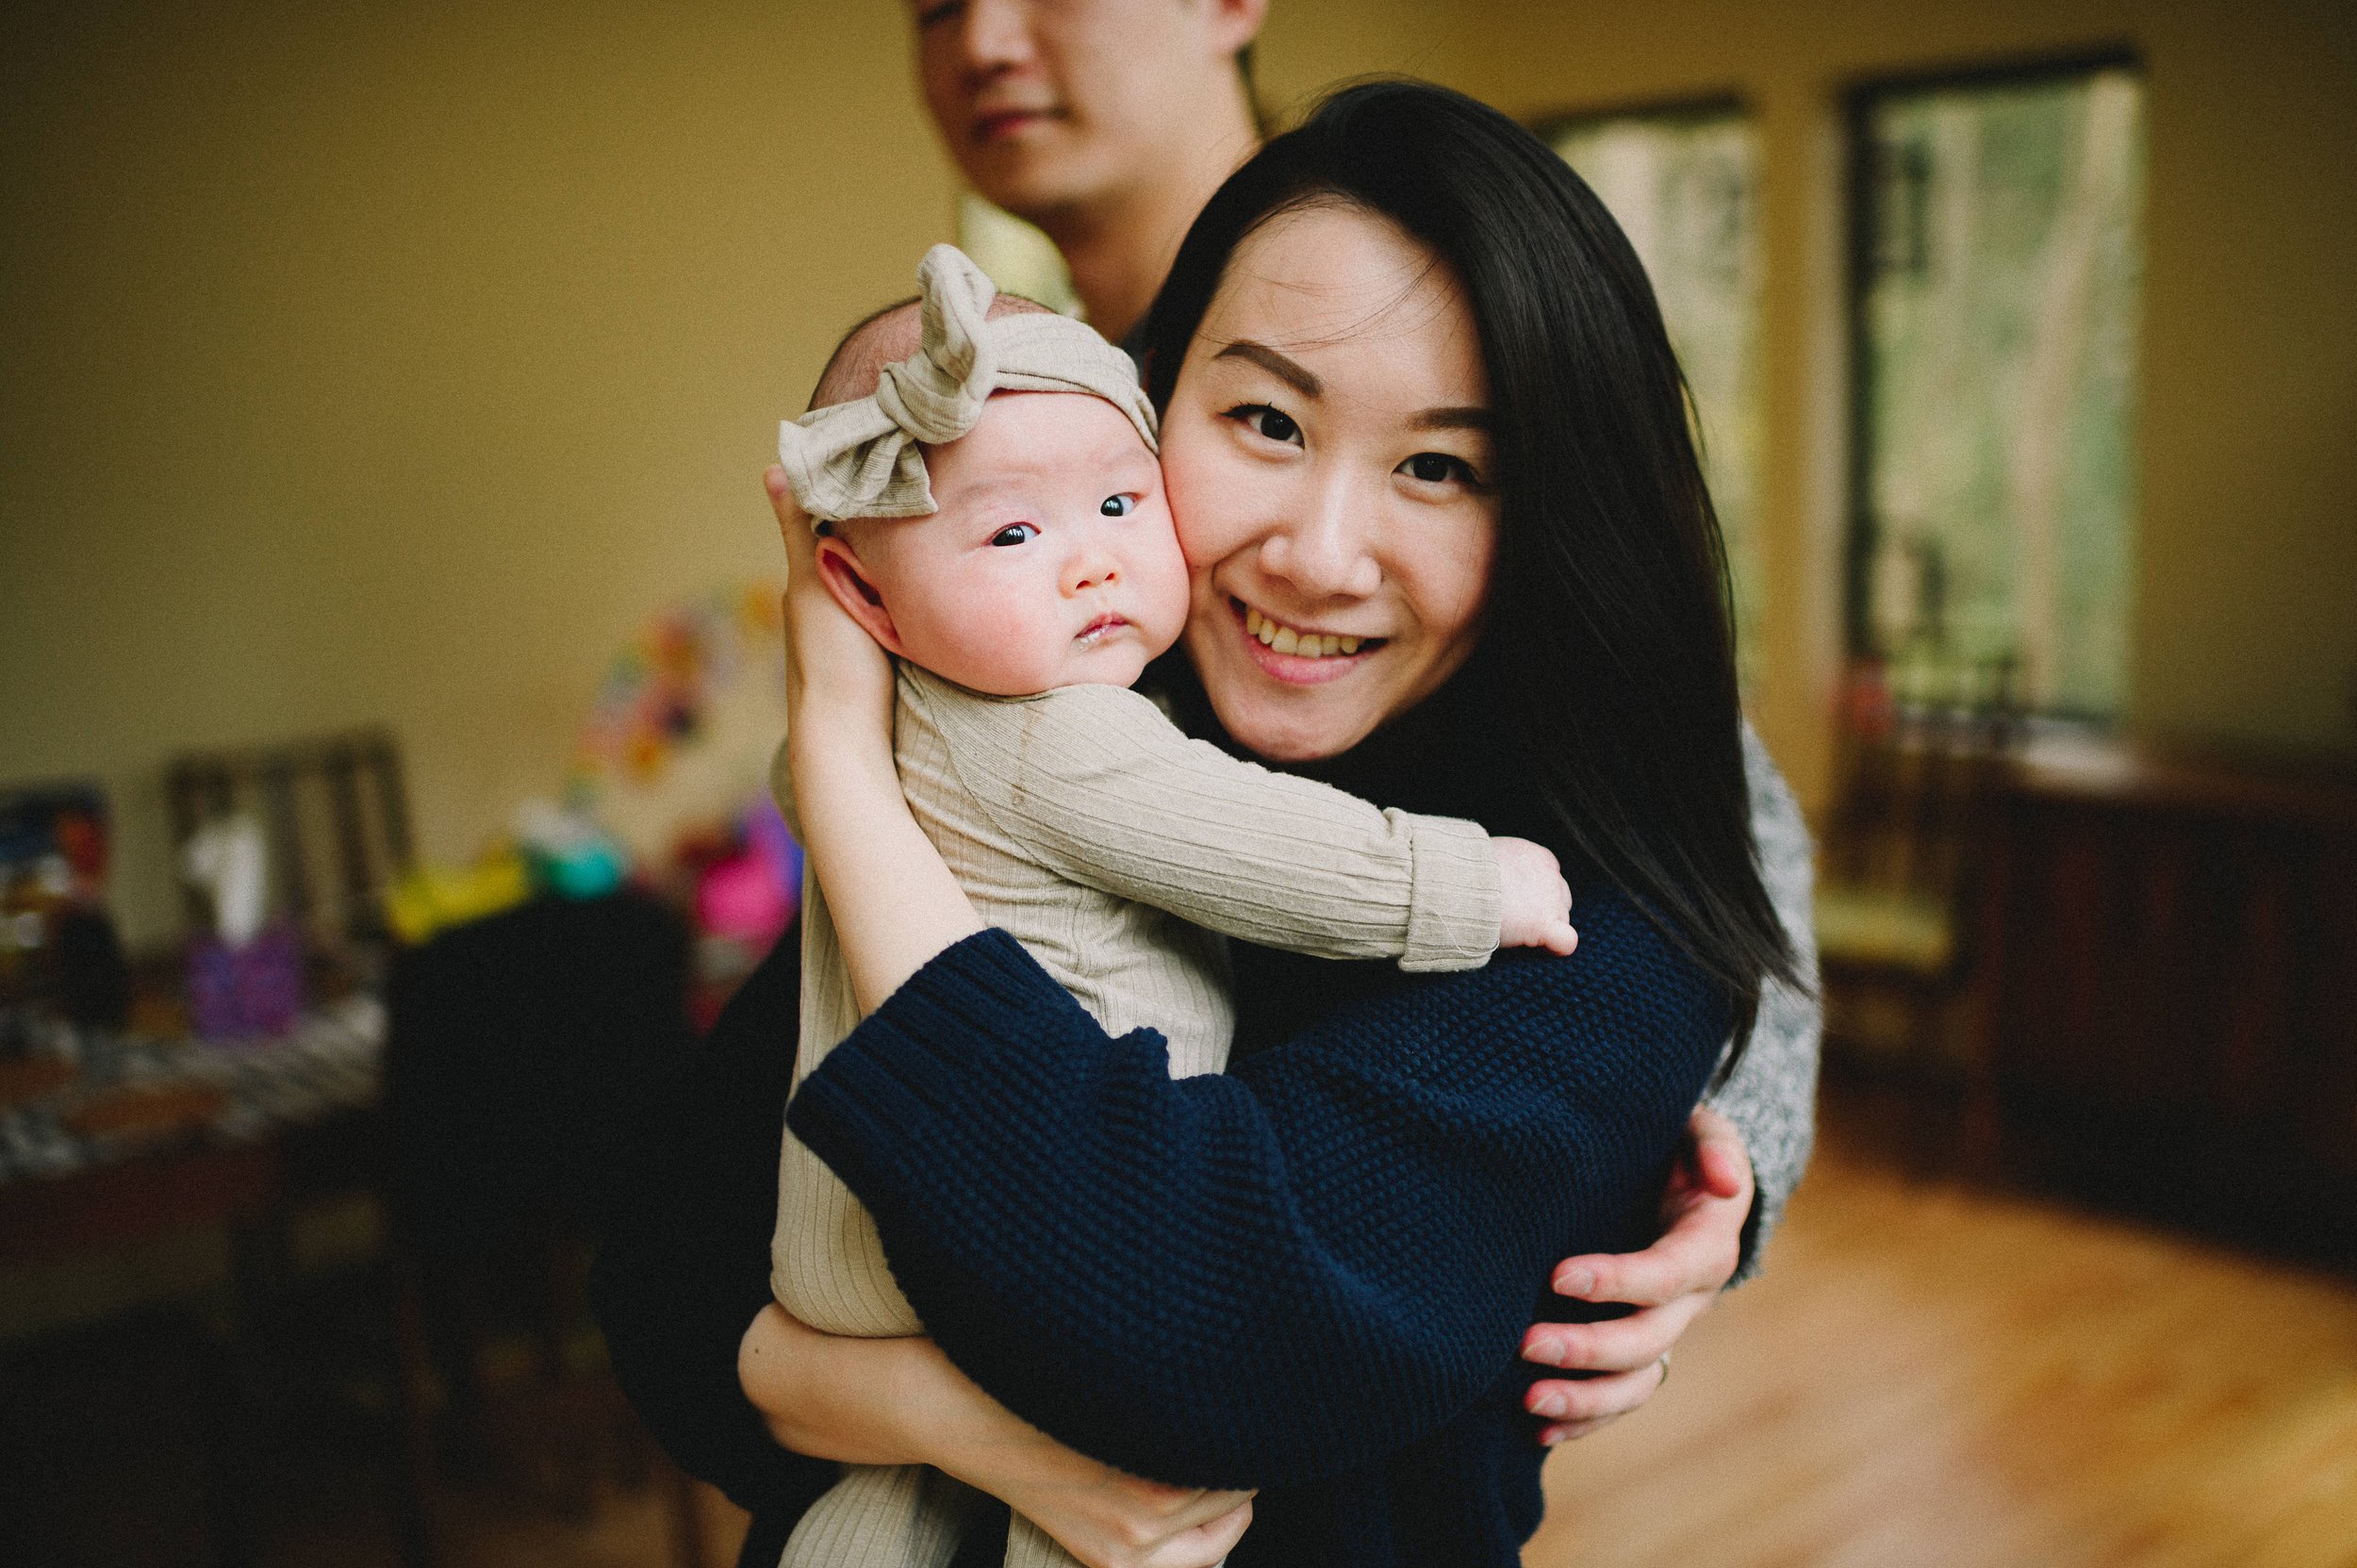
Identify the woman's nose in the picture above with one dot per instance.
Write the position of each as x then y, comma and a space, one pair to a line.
1322, 549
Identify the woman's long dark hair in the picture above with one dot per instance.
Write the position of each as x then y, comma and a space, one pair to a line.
1607, 631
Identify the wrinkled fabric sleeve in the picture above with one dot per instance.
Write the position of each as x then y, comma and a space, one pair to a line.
1287, 1271
1107, 793
1771, 1094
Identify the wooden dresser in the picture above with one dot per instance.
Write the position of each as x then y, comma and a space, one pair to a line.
2164, 992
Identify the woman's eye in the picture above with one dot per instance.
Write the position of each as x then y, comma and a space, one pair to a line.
1014, 533
1273, 423
1118, 505
1439, 467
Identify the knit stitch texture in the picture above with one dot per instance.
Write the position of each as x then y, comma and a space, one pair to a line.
1347, 1238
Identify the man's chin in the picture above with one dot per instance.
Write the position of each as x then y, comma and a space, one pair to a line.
1036, 184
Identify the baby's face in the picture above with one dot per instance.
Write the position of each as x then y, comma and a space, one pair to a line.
1051, 561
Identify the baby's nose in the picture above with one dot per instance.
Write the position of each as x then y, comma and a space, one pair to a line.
1090, 566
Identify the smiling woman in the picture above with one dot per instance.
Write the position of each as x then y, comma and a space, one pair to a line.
1326, 455
1416, 403
1431, 400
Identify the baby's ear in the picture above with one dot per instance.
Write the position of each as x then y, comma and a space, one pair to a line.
839, 568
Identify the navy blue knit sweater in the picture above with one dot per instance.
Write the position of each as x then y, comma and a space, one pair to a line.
1309, 1274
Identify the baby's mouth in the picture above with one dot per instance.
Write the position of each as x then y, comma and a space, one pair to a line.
1301, 643
1102, 627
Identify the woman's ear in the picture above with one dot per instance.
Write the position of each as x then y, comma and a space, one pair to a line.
840, 569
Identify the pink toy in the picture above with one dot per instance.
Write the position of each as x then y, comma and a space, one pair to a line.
753, 895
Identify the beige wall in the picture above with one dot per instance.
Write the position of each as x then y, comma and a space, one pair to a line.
396, 366
393, 363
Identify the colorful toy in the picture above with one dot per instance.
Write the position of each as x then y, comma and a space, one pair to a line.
433, 897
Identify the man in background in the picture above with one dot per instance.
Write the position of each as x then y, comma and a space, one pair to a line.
1108, 123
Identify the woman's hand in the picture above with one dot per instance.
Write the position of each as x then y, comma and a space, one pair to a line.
890, 897
1103, 1517
836, 679
1670, 1283
899, 1401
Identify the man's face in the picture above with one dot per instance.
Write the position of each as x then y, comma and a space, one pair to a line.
1047, 104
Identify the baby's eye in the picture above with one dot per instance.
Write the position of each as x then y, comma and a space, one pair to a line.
1439, 467
1014, 533
1272, 423
1118, 505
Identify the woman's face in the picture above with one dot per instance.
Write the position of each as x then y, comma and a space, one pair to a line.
1328, 463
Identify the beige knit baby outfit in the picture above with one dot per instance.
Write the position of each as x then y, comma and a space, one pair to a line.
1085, 823
1087, 826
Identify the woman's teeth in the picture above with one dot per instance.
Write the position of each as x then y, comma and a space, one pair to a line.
1285, 640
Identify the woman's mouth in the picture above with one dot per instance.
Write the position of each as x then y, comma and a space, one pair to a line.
1299, 654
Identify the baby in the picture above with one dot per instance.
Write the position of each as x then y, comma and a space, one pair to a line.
1015, 551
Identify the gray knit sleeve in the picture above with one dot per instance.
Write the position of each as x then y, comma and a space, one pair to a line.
1771, 1094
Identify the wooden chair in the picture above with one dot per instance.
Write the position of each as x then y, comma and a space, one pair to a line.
1916, 752
516, 1057
336, 816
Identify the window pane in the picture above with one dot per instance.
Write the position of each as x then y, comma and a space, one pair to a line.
1682, 186
2002, 258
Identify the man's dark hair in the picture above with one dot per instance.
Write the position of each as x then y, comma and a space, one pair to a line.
1607, 643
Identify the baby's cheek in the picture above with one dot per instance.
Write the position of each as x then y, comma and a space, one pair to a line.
1003, 652
1170, 585
962, 634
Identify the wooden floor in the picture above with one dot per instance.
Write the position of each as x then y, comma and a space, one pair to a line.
1925, 1376
1929, 1376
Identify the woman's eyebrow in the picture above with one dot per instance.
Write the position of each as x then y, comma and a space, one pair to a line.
1290, 372
1450, 419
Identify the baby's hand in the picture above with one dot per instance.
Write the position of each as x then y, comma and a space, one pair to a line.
1535, 900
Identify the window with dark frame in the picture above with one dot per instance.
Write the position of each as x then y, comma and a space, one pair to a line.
1683, 181
1997, 260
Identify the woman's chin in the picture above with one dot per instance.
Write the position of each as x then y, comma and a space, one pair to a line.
1287, 721
1284, 706
1301, 744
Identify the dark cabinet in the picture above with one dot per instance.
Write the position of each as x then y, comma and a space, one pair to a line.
2165, 1000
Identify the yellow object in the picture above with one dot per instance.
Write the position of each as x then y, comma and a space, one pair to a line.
1902, 931
432, 899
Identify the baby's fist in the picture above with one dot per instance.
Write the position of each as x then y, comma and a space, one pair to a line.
1535, 902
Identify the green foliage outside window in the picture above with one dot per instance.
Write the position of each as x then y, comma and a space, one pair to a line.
1999, 265
1682, 185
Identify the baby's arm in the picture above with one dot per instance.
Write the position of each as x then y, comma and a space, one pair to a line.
1109, 794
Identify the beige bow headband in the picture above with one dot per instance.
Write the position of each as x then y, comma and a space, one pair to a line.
860, 459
